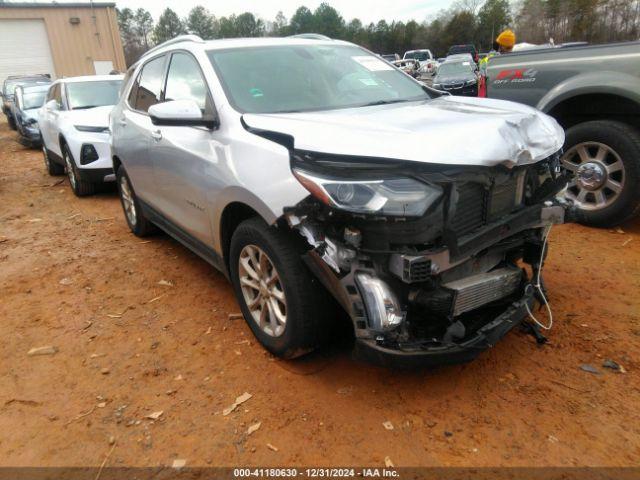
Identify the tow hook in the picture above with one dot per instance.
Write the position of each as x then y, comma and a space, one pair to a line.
532, 329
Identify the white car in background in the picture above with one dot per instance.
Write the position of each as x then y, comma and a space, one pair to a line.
428, 65
74, 124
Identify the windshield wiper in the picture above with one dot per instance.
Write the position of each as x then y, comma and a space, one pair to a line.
85, 107
287, 111
385, 102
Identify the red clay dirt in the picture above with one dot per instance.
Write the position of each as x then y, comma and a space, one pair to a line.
72, 276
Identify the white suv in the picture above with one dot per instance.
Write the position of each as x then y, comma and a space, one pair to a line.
299, 167
74, 124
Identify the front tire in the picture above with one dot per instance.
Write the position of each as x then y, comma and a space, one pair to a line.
52, 167
285, 306
604, 157
138, 223
80, 187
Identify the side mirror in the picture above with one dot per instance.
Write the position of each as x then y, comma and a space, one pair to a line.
52, 105
180, 113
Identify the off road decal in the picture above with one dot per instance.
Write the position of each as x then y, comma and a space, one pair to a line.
519, 75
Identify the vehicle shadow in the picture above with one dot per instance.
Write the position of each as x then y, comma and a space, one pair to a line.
632, 226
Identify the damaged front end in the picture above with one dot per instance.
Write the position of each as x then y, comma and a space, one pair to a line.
428, 260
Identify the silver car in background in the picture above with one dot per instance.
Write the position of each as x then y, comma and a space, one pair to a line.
299, 167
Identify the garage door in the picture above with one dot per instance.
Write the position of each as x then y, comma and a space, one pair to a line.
24, 48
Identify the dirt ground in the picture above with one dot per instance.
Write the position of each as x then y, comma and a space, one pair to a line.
73, 277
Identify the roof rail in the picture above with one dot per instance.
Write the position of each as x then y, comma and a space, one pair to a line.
311, 36
178, 39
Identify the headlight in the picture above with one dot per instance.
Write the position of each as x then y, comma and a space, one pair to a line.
471, 82
383, 308
89, 128
436, 85
404, 197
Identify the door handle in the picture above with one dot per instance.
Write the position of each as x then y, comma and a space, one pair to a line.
156, 135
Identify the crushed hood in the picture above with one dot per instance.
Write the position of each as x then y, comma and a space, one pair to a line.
446, 130
31, 114
92, 117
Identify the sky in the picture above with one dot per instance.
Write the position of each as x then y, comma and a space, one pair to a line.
365, 10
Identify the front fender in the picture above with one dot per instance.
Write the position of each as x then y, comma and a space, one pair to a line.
238, 194
597, 82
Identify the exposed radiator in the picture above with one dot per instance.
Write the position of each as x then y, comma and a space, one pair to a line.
477, 205
478, 290
470, 208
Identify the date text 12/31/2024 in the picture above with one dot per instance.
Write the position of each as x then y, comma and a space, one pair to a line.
315, 473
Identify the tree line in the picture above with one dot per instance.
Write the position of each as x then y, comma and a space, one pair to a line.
467, 21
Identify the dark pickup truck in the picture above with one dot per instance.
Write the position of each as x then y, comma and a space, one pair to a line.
594, 93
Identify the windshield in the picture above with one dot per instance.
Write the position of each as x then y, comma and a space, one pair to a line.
455, 68
420, 56
33, 99
93, 94
10, 85
461, 49
309, 77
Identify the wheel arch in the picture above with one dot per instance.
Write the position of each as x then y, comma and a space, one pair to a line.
596, 106
231, 217
116, 163
62, 141
594, 96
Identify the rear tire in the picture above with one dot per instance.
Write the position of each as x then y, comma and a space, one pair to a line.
138, 223
80, 187
52, 167
607, 189
307, 308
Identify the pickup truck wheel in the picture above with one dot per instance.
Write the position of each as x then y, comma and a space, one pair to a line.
52, 167
604, 157
281, 301
80, 187
138, 223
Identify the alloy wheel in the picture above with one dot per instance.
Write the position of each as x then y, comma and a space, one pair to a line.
47, 162
127, 201
70, 171
262, 290
599, 175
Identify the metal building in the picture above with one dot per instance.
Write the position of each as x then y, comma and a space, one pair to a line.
61, 39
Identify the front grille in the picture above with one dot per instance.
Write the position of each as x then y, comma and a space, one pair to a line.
453, 86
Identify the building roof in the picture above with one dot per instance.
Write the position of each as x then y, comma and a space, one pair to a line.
90, 78
10, 4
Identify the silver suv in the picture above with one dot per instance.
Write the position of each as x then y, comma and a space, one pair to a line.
316, 175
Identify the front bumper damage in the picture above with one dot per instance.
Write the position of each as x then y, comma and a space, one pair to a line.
443, 353
442, 288
30, 136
